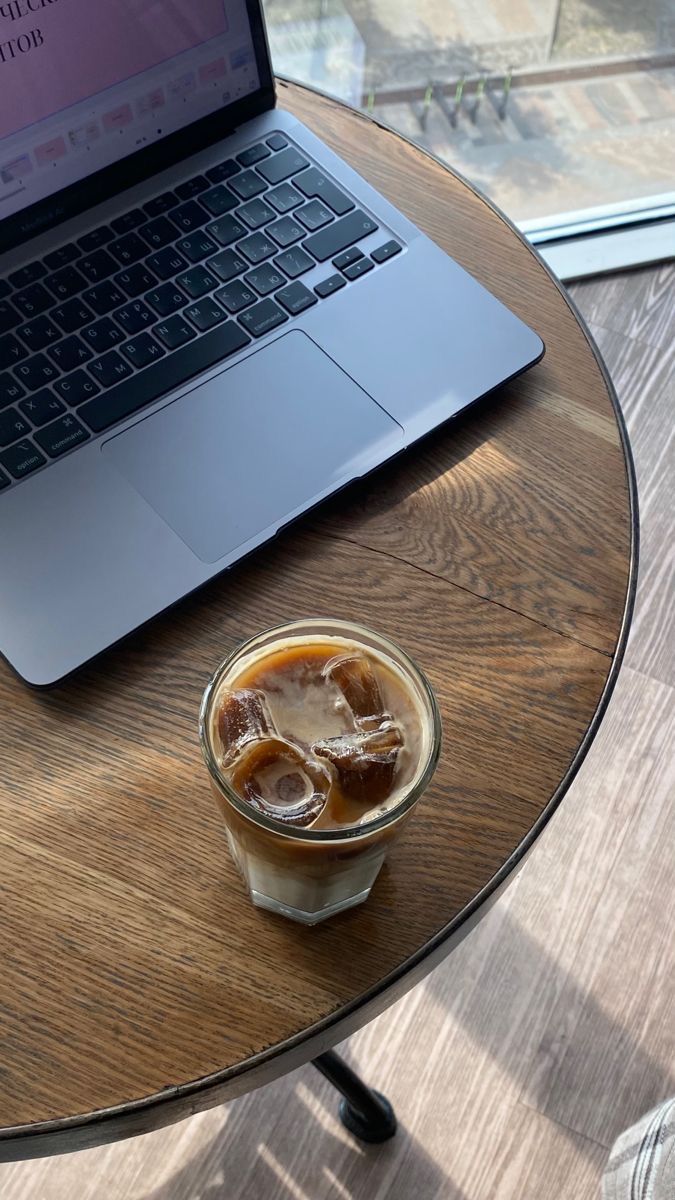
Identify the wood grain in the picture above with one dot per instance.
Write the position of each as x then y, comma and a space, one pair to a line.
500, 558
643, 376
636, 304
456, 1054
600, 1044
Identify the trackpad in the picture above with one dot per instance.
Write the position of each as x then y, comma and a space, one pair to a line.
243, 453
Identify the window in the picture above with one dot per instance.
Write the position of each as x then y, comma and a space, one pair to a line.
563, 111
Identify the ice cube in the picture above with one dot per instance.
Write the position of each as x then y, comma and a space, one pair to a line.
244, 717
279, 780
365, 762
356, 680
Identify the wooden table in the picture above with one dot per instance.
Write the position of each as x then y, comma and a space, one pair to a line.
138, 984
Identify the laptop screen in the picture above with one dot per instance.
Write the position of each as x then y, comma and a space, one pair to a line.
84, 83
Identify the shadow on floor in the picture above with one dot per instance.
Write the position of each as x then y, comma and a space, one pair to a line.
570, 1060
284, 1143
567, 1057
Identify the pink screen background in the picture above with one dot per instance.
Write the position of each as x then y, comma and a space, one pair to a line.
90, 45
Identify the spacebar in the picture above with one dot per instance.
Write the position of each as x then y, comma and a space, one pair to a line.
159, 379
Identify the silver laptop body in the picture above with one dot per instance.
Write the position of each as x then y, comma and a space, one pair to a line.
311, 333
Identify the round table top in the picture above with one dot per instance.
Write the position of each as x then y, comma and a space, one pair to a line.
138, 983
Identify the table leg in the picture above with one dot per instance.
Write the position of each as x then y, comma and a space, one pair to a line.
363, 1111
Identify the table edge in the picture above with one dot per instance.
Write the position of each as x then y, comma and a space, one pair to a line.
61, 1135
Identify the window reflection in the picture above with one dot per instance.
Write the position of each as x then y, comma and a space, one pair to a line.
548, 105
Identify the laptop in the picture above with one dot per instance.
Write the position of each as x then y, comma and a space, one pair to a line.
208, 321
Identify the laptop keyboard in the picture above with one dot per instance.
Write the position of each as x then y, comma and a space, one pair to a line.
104, 325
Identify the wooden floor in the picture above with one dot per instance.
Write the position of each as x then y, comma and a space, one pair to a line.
515, 1065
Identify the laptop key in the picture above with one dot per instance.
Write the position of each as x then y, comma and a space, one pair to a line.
65, 283
136, 280
189, 216
160, 204
9, 317
142, 350
256, 213
227, 265
285, 231
76, 388
257, 248
197, 246
104, 297
61, 257
26, 275
10, 390
219, 200
205, 313
95, 238
276, 142
42, 407
158, 233
224, 170
296, 298
5, 289
358, 268
284, 197
166, 263
70, 353
175, 332
339, 235
163, 376
109, 369
11, 351
62, 435
226, 230
4, 480
349, 256
294, 262
166, 299
283, 165
314, 215
97, 266
72, 315
128, 221
263, 317
192, 187
102, 335
12, 426
22, 459
39, 333
128, 249
197, 282
248, 184
253, 155
265, 279
33, 300
388, 250
314, 183
35, 372
236, 296
134, 317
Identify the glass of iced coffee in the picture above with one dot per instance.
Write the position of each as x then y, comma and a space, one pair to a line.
320, 737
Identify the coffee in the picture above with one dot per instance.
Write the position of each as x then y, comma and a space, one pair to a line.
320, 733
319, 737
